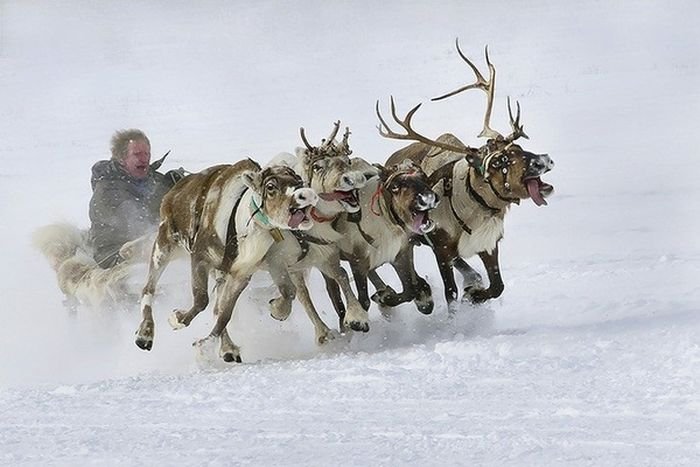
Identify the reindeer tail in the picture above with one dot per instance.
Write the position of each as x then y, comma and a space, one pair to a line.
59, 242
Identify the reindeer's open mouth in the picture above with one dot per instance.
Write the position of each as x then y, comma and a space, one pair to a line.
297, 216
538, 190
349, 199
421, 222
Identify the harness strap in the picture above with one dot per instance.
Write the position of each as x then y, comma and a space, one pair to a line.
498, 195
304, 239
231, 247
368, 238
476, 197
446, 174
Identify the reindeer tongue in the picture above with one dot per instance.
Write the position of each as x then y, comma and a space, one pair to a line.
533, 188
296, 218
420, 225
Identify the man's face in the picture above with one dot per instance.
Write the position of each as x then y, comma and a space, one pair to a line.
138, 158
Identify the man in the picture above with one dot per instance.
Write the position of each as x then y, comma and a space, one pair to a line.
126, 197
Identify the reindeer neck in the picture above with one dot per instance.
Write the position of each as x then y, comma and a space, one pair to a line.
326, 211
377, 216
480, 190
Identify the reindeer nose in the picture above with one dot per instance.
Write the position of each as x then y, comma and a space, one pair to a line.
545, 162
306, 197
427, 200
348, 181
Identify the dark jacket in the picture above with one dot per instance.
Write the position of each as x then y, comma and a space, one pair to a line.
122, 208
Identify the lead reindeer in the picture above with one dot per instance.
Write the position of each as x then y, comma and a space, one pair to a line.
477, 185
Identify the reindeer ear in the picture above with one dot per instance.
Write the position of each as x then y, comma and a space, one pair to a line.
474, 160
406, 164
252, 180
361, 165
302, 153
382, 171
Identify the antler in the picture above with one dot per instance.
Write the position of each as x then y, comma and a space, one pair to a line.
518, 131
411, 134
344, 146
487, 86
303, 138
329, 141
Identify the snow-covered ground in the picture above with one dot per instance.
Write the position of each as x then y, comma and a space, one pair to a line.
590, 357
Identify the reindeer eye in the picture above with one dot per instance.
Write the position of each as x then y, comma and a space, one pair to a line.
271, 186
394, 188
317, 167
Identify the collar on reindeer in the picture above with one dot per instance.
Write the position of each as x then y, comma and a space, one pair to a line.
261, 217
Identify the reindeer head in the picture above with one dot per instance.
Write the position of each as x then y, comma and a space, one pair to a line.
281, 200
327, 170
512, 172
408, 196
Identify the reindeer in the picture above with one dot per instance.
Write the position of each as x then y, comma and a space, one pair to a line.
395, 205
327, 170
478, 186
227, 217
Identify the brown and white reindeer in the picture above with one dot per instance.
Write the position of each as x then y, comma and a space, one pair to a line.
395, 205
327, 170
227, 217
478, 185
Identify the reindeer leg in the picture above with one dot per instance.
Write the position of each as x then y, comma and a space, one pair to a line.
384, 294
200, 292
160, 256
493, 270
445, 251
281, 307
322, 332
226, 298
336, 299
359, 273
356, 317
470, 276
414, 287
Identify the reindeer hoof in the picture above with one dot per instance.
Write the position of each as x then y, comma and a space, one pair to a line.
325, 337
476, 295
385, 297
230, 357
280, 308
144, 336
176, 321
358, 326
144, 343
425, 307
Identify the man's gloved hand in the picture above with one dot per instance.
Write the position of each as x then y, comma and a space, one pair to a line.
175, 175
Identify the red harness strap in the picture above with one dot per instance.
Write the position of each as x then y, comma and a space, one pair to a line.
375, 201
